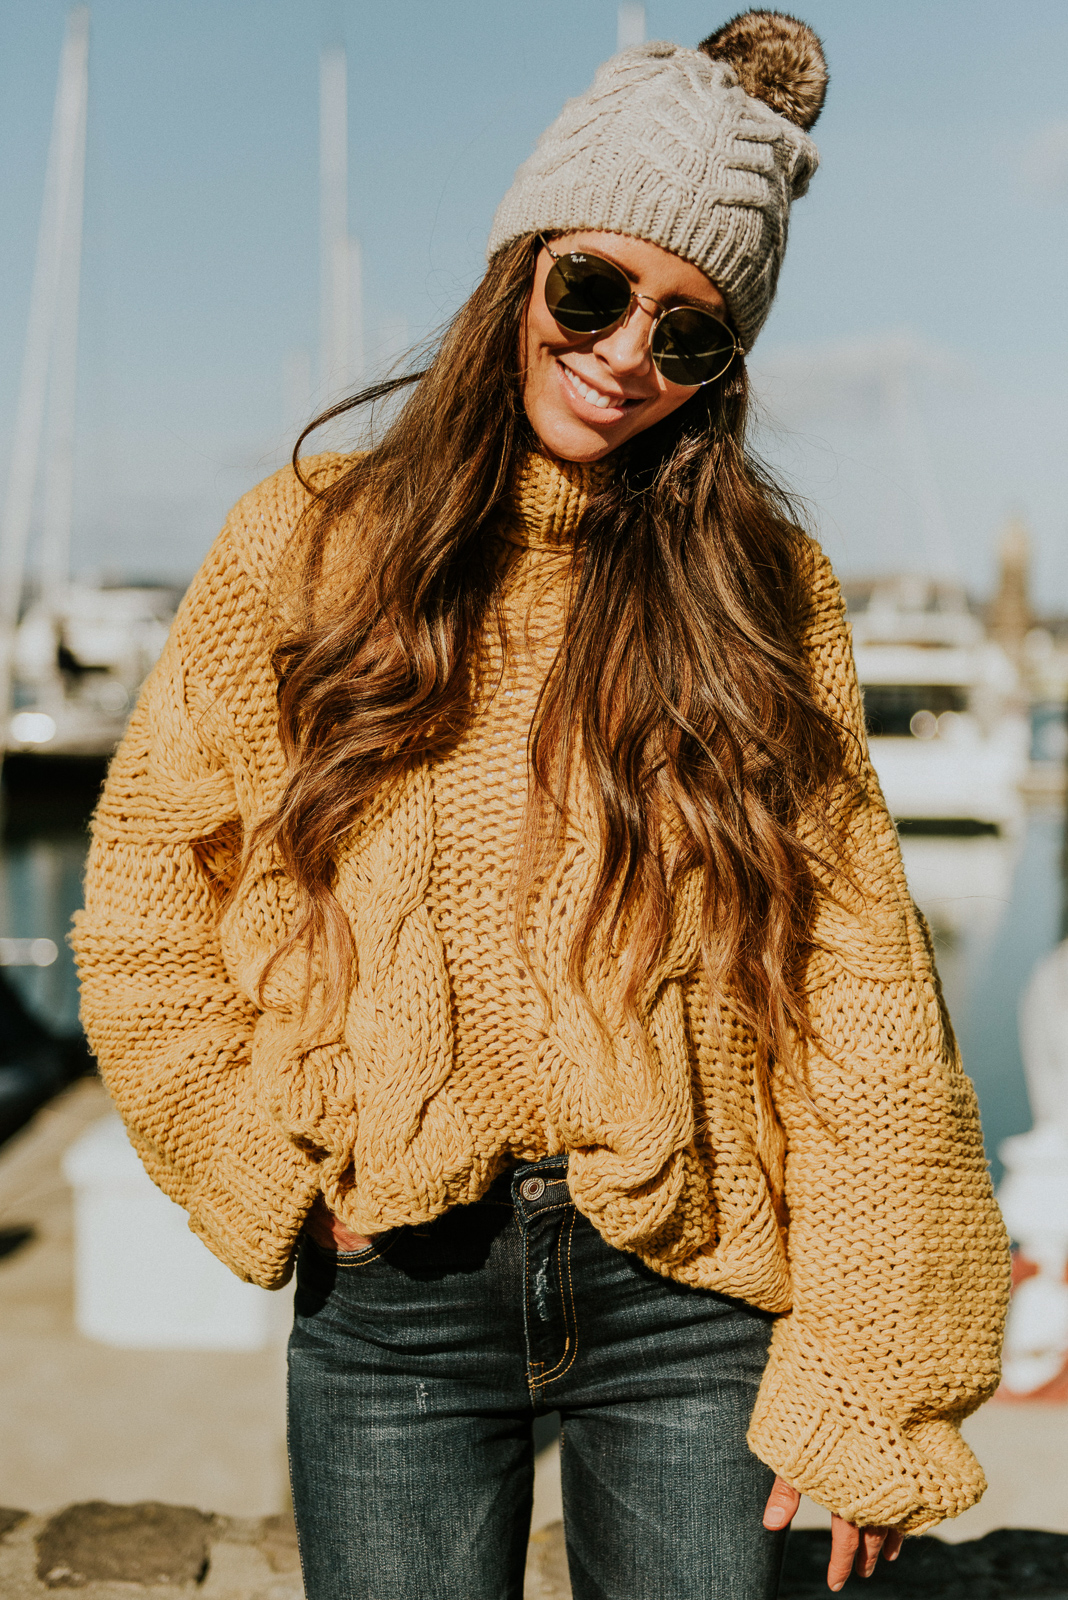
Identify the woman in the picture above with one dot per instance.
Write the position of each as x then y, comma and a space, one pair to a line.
493, 898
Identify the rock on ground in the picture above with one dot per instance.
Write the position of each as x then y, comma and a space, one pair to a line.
99, 1543
109, 1552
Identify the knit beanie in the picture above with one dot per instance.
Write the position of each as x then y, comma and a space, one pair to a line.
700, 151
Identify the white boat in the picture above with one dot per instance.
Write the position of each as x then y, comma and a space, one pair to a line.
949, 738
80, 657
946, 716
73, 657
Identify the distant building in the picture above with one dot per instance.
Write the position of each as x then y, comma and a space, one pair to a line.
1037, 644
1009, 617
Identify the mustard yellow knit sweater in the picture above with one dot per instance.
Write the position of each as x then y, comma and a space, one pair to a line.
884, 1251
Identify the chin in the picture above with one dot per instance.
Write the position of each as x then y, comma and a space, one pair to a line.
568, 440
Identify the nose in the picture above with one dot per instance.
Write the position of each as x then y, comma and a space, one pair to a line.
626, 347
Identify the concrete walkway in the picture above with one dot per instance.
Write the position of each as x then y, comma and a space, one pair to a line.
81, 1421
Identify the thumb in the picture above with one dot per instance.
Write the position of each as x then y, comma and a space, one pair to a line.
782, 1504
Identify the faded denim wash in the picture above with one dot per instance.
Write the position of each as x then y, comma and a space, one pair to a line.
417, 1367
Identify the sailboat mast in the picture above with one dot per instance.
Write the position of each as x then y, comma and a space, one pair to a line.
54, 277
62, 386
630, 24
333, 222
341, 285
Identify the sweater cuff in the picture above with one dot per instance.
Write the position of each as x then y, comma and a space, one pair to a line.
248, 1202
820, 1433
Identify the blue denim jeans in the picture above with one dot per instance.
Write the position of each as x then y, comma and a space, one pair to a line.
417, 1367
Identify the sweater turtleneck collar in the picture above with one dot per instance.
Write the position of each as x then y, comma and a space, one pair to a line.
550, 496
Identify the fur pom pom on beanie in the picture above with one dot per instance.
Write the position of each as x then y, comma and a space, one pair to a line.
700, 151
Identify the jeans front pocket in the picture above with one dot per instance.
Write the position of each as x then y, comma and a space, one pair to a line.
350, 1258
321, 1272
373, 1251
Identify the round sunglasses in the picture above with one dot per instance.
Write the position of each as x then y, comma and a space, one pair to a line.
587, 294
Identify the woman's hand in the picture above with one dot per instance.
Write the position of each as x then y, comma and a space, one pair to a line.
852, 1548
326, 1230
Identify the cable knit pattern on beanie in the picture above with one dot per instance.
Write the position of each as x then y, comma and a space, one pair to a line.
861, 1212
667, 146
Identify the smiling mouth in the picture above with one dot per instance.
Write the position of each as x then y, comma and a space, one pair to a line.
594, 397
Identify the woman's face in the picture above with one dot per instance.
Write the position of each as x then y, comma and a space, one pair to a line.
567, 374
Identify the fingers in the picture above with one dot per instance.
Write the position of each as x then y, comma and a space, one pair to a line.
845, 1542
782, 1504
892, 1548
858, 1549
852, 1548
344, 1238
328, 1231
871, 1542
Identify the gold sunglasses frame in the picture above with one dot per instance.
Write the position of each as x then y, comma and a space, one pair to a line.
636, 296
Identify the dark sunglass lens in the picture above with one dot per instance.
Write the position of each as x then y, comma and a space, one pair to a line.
586, 295
691, 346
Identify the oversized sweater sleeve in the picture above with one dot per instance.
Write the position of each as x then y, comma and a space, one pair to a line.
170, 1027
898, 1255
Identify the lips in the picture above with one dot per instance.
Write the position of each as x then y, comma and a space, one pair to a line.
612, 406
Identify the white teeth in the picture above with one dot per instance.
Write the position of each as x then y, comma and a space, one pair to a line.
601, 401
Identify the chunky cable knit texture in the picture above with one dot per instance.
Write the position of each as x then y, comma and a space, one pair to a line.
878, 1238
666, 145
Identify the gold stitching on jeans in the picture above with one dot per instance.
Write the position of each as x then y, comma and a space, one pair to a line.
358, 1258
536, 1369
570, 1321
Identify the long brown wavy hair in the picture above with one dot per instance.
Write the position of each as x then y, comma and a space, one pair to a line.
680, 686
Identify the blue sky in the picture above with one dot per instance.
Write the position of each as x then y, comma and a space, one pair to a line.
929, 254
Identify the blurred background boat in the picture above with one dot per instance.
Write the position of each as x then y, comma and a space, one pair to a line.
72, 655
950, 740
943, 703
81, 654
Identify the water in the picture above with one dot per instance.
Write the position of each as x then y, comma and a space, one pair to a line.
40, 889
993, 980
996, 907
43, 845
